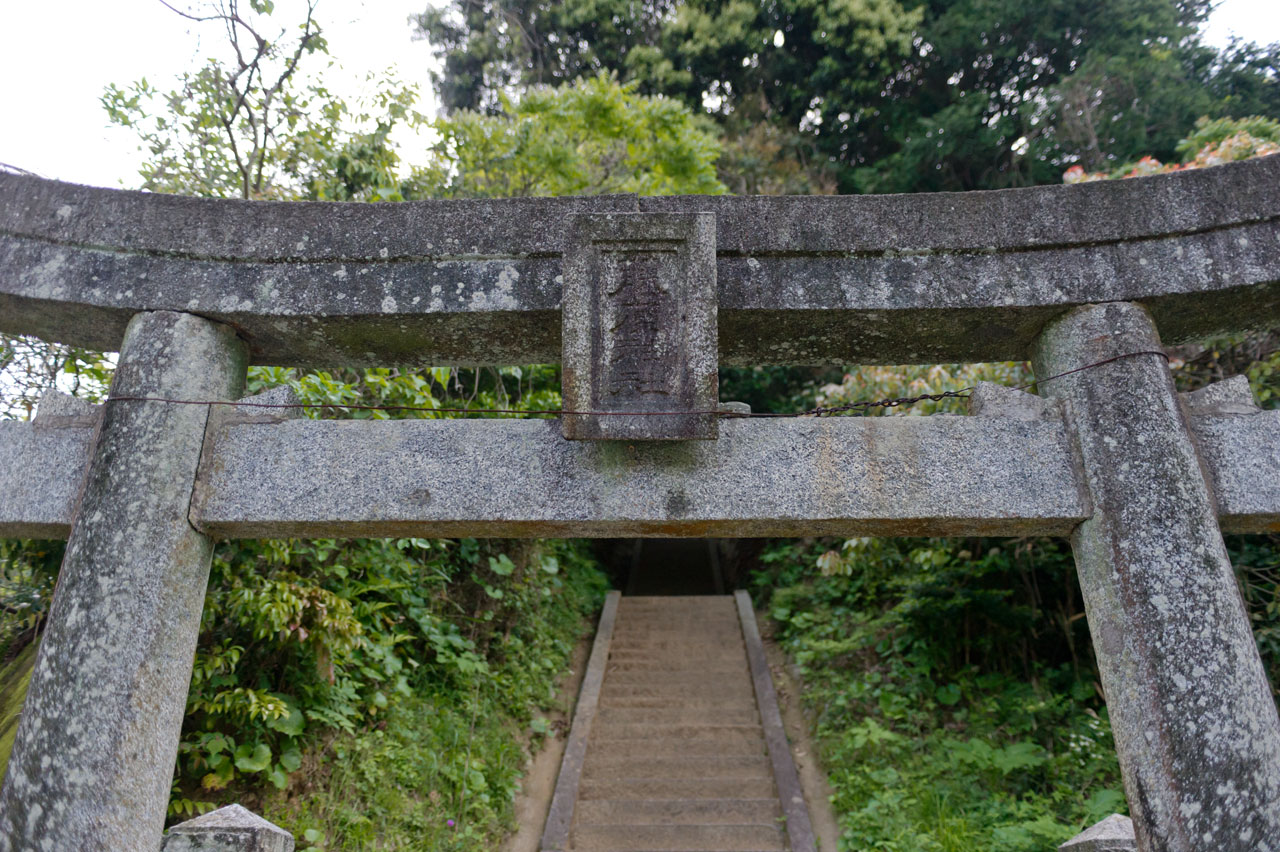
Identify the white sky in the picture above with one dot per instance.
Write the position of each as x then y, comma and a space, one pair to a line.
57, 55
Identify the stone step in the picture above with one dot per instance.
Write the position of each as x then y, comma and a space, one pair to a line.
678, 838
604, 766
765, 811
676, 759
703, 636
679, 748
725, 734
634, 698
640, 617
675, 788
665, 647
638, 622
646, 621
678, 603
677, 696
684, 678
736, 714
679, 663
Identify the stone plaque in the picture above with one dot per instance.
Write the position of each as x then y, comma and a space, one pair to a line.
639, 327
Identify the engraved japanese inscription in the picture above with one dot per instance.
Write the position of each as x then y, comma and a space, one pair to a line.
639, 335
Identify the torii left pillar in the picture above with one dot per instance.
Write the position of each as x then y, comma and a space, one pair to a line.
93, 756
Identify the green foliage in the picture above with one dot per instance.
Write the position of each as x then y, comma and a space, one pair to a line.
594, 136
1212, 143
28, 570
879, 95
253, 125
304, 638
29, 367
1212, 133
872, 383
951, 688
441, 767
15, 675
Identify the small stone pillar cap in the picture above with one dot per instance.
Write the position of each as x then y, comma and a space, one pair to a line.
1229, 396
57, 408
1113, 834
229, 829
992, 400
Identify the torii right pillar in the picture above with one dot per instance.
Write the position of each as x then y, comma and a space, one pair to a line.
1195, 726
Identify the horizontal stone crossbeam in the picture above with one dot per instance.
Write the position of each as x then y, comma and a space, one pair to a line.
985, 475
855, 279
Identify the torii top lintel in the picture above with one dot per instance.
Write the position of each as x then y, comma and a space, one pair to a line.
799, 280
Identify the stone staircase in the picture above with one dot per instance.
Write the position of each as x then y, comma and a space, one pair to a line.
675, 757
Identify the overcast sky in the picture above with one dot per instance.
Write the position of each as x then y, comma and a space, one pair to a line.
57, 55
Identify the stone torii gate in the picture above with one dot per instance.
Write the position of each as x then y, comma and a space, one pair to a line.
646, 296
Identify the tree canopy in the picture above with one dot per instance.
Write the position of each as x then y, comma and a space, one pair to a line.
879, 95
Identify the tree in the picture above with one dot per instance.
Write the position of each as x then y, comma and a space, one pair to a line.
880, 95
253, 127
594, 136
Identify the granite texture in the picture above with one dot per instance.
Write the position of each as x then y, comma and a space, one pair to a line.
806, 476
1113, 834
1195, 725
42, 466
639, 327
228, 829
870, 279
95, 746
41, 471
992, 400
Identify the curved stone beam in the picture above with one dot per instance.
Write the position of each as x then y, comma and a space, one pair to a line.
813, 280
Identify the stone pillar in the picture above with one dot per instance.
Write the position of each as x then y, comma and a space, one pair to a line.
95, 747
1195, 726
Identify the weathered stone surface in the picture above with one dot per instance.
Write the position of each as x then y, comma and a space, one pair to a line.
229, 829
41, 470
836, 476
1229, 396
871, 279
1113, 834
1241, 454
259, 408
42, 467
1195, 725
639, 327
60, 409
94, 751
992, 400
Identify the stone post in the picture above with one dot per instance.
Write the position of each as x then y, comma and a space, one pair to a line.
93, 756
1195, 726
229, 829
1113, 834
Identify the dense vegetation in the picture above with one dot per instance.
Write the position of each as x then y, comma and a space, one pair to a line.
376, 694
879, 95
